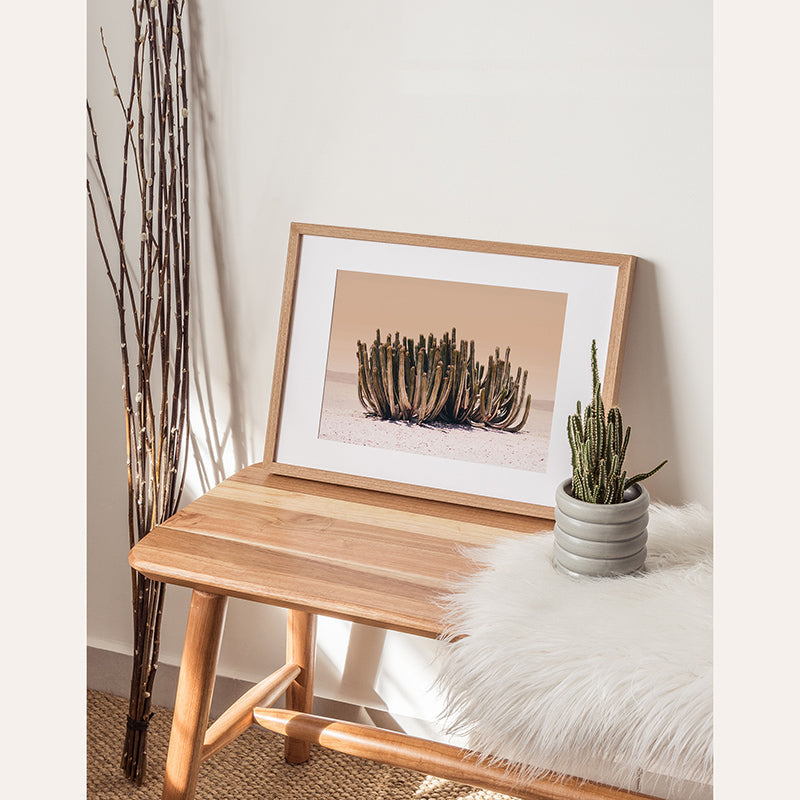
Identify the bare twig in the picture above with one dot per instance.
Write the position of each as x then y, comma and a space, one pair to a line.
152, 300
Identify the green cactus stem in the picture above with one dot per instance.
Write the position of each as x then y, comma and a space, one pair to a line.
403, 380
598, 448
463, 395
430, 380
501, 397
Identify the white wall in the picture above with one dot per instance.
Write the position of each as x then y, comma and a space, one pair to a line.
580, 124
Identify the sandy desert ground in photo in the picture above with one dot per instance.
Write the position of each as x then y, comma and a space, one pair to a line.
343, 419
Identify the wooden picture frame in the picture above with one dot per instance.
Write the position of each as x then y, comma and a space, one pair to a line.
339, 279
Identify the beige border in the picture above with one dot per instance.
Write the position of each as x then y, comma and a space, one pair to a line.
616, 347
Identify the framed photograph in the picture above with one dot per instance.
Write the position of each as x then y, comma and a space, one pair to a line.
440, 368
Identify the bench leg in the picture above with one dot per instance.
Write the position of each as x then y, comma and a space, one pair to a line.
301, 641
193, 699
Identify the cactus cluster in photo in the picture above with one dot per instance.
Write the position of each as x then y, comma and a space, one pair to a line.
598, 449
440, 380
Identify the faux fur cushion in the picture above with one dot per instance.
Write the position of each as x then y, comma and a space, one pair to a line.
562, 674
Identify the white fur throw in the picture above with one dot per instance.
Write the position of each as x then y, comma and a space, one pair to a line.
565, 674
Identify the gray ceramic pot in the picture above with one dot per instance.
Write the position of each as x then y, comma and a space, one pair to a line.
596, 539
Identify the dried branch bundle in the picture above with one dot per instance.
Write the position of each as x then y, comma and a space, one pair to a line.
152, 301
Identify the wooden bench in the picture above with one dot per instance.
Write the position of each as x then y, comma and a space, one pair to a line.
314, 548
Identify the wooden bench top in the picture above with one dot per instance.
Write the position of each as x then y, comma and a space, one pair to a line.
364, 556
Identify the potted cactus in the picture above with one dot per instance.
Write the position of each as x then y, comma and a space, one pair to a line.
601, 514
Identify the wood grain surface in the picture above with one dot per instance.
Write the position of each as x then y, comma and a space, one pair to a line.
239, 716
301, 648
193, 698
333, 554
434, 758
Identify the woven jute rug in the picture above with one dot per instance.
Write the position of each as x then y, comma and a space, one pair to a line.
250, 768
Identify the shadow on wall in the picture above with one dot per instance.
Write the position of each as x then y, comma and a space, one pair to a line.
206, 162
646, 380
221, 448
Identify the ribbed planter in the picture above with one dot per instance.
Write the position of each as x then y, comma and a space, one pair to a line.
599, 540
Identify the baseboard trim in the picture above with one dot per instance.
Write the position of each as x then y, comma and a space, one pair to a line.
109, 671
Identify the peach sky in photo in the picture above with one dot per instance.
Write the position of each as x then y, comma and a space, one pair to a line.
529, 321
